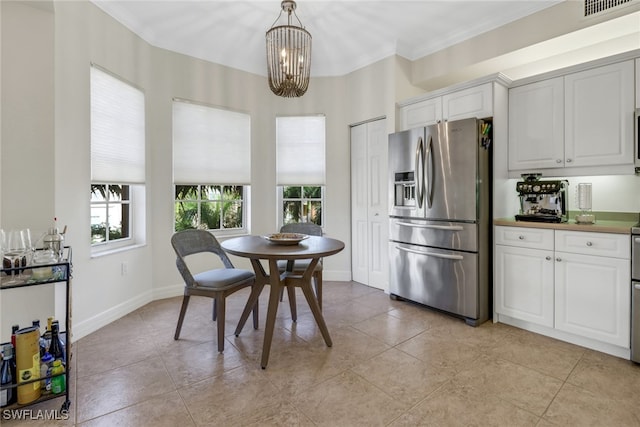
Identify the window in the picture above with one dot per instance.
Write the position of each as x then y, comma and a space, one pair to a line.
117, 162
211, 168
211, 207
302, 204
110, 208
300, 157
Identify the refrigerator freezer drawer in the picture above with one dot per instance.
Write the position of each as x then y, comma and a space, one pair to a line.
452, 235
442, 279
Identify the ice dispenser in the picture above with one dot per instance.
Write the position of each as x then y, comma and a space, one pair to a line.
405, 189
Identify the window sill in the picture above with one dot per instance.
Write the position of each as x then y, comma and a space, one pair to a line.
112, 251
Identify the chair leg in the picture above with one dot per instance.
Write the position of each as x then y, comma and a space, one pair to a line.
318, 283
220, 308
183, 310
213, 317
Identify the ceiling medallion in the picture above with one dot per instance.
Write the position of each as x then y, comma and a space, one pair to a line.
288, 55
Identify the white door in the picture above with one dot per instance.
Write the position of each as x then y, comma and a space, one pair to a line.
369, 204
592, 297
524, 284
599, 116
536, 125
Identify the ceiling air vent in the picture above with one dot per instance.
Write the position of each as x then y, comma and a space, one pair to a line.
593, 7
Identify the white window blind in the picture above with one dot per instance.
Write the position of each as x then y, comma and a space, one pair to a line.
300, 147
117, 130
210, 145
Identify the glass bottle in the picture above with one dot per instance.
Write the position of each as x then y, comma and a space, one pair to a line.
7, 395
56, 348
59, 382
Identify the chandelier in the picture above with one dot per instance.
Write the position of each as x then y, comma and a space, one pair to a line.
288, 55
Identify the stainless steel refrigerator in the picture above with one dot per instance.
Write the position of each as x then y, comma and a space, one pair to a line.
440, 217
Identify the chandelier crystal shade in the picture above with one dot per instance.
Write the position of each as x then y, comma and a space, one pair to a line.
288, 55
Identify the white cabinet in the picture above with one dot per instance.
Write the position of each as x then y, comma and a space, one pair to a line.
584, 119
476, 101
423, 113
536, 125
599, 108
575, 284
369, 227
524, 274
472, 102
592, 286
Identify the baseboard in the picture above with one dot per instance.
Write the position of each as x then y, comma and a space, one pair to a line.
336, 276
84, 328
168, 292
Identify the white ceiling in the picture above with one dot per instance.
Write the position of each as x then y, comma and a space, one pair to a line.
347, 35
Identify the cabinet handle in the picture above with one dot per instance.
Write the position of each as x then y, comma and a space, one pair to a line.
589, 244
569, 160
521, 237
558, 259
558, 160
548, 258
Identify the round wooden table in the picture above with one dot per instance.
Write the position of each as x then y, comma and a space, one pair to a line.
258, 248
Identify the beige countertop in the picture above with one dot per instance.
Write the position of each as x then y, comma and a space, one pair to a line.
619, 224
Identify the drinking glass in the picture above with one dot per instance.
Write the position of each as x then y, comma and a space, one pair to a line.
29, 248
14, 250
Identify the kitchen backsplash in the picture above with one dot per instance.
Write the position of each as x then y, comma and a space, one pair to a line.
612, 193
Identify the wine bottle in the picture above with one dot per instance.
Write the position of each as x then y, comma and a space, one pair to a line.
56, 348
7, 395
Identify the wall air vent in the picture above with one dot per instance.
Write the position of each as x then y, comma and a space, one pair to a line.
593, 7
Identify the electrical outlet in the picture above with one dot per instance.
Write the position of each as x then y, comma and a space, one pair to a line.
124, 268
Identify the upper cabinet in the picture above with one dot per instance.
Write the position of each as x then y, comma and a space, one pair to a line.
423, 113
471, 102
536, 125
581, 120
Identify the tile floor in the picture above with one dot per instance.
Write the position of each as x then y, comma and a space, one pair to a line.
392, 364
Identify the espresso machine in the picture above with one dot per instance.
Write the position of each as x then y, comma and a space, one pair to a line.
542, 200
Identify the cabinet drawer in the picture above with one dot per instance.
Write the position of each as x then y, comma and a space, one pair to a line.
601, 244
535, 238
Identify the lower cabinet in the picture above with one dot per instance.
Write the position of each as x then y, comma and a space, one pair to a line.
574, 283
524, 284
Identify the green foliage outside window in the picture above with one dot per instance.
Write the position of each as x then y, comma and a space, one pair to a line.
110, 212
209, 207
302, 204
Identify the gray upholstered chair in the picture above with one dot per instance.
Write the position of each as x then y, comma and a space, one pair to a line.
300, 265
216, 283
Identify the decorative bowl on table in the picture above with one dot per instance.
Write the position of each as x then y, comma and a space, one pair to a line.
286, 238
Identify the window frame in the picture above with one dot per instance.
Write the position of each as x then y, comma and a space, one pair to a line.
281, 199
246, 189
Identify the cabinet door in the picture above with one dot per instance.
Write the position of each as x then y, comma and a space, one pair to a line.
467, 103
423, 113
524, 284
536, 125
599, 106
592, 297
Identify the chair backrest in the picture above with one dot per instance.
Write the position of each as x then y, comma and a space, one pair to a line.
190, 242
302, 227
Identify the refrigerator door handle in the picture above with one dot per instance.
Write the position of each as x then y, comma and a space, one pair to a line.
431, 169
419, 173
436, 255
435, 227
637, 287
